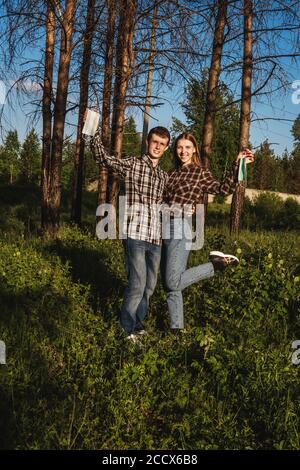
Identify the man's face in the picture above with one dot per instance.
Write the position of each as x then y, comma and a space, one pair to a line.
156, 146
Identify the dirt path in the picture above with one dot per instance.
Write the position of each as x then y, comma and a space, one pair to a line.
252, 193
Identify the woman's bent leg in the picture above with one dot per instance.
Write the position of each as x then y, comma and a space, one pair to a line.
195, 274
176, 276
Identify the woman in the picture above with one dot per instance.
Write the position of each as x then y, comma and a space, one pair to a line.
186, 186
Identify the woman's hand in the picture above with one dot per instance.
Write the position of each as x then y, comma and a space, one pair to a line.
248, 154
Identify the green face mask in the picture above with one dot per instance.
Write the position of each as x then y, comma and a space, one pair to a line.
242, 176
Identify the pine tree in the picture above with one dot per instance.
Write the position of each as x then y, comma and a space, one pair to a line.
268, 171
131, 139
226, 130
294, 171
245, 116
10, 157
90, 168
262, 169
293, 177
296, 130
30, 158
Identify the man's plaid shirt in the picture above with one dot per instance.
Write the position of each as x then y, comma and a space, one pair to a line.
187, 185
144, 188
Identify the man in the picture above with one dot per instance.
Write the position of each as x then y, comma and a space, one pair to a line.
144, 187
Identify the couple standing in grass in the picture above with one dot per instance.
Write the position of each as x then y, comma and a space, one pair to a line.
164, 203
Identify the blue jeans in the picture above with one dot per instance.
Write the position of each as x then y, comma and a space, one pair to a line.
175, 253
142, 264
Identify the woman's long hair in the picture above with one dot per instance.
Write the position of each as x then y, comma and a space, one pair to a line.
196, 155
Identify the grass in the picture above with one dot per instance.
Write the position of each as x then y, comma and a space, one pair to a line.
72, 381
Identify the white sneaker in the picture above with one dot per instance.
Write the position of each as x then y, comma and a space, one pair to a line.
140, 332
221, 260
220, 253
134, 338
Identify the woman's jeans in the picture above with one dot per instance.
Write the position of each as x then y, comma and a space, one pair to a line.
177, 238
142, 261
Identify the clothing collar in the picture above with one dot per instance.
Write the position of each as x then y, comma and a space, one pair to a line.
187, 167
147, 159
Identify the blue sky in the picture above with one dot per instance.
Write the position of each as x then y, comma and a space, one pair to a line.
278, 106
277, 132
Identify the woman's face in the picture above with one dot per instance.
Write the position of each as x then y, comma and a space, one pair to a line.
185, 150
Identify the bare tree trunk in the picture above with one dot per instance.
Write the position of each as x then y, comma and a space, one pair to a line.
53, 205
212, 88
149, 79
46, 110
107, 87
238, 197
84, 87
124, 66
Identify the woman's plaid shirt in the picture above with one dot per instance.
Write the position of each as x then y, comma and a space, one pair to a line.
187, 185
144, 188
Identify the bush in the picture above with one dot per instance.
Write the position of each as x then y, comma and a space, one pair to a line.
220, 199
267, 209
290, 215
269, 212
21, 214
218, 215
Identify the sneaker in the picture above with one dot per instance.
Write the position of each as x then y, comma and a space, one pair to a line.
134, 338
221, 261
140, 332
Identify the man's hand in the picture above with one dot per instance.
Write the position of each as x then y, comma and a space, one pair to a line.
247, 154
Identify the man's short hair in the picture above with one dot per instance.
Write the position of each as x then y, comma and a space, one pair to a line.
161, 131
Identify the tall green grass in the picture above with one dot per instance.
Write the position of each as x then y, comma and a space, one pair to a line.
72, 381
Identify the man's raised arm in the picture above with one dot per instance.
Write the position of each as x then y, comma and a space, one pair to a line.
117, 165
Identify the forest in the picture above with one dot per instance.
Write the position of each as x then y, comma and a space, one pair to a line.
68, 378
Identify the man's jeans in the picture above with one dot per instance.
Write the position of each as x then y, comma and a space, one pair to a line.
175, 252
142, 263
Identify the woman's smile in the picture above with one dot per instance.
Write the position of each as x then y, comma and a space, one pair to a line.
185, 151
